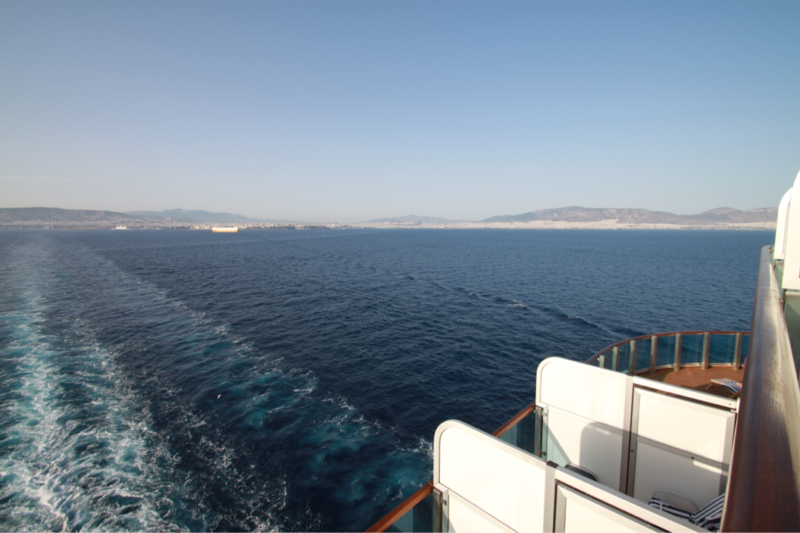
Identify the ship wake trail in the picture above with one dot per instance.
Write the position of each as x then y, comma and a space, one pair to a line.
126, 409
74, 451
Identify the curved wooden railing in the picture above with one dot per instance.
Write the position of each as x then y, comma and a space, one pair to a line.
614, 351
764, 481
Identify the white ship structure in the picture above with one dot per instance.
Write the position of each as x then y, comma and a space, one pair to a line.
681, 431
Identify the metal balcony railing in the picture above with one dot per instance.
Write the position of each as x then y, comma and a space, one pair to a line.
674, 350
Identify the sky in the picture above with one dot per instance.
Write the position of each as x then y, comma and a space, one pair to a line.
346, 111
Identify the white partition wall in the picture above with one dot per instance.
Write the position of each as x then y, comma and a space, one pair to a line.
578, 512
780, 230
679, 446
596, 448
585, 390
487, 484
583, 505
631, 439
791, 268
585, 411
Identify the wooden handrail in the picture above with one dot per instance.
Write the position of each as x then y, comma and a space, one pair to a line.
764, 485
608, 348
401, 509
514, 420
426, 489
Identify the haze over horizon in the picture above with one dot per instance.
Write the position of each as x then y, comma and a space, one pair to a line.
356, 111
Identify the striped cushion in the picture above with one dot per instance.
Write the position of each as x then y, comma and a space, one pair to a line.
735, 387
710, 515
667, 508
728, 383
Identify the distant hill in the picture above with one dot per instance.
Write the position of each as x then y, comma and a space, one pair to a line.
412, 219
54, 214
721, 215
46, 215
194, 216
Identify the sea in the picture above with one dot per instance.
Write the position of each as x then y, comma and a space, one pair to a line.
293, 380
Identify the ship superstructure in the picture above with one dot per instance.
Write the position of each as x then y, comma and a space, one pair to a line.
676, 431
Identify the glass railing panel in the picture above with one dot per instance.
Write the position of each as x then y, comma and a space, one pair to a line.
425, 516
643, 354
523, 433
692, 349
745, 344
623, 360
604, 361
666, 351
721, 349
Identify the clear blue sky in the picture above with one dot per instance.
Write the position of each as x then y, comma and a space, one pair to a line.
353, 110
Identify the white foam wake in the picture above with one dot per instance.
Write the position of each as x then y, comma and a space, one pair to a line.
76, 452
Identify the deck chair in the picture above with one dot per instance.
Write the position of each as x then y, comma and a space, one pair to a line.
730, 384
708, 517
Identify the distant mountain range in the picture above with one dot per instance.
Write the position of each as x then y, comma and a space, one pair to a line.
195, 216
721, 215
55, 215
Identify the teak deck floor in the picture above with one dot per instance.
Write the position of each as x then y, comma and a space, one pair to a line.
696, 378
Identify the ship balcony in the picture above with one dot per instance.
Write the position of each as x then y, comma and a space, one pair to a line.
640, 419
596, 440
690, 359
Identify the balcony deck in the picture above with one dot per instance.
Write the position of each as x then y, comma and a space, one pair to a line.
698, 379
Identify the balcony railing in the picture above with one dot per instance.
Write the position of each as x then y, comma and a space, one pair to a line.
648, 353
763, 492
764, 482
421, 511
675, 350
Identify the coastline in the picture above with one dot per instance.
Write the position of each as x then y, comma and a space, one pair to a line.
609, 224
533, 225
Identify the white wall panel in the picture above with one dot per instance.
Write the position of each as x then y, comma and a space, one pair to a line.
577, 512
584, 443
779, 251
617, 501
791, 266
688, 426
582, 389
462, 517
660, 469
498, 478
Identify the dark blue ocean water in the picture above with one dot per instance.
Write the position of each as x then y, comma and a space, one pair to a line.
293, 379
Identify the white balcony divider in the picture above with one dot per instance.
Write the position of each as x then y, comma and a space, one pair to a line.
679, 446
487, 484
578, 512
584, 505
791, 265
584, 390
632, 439
586, 418
780, 229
